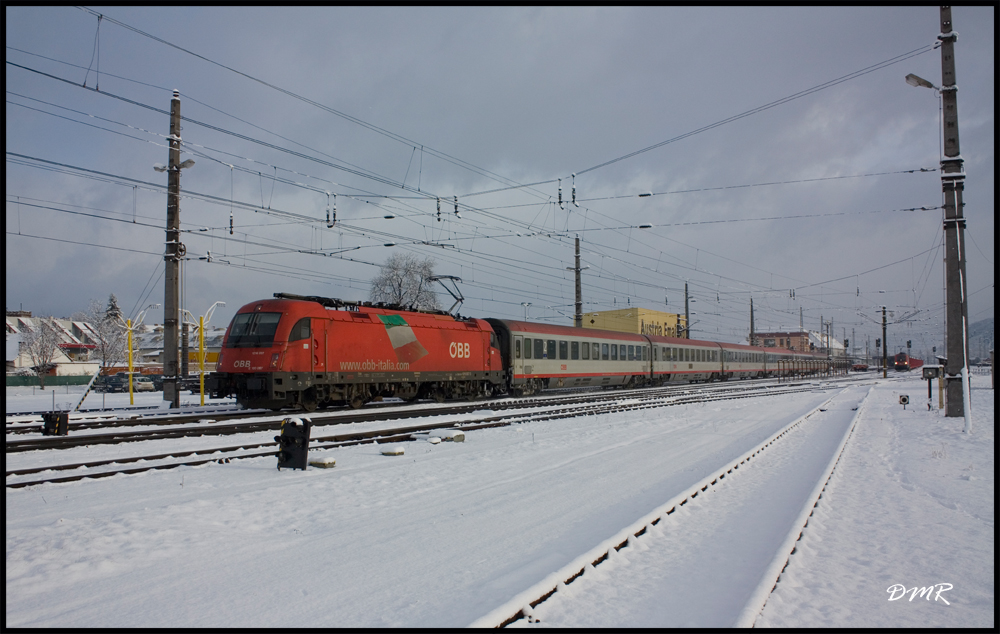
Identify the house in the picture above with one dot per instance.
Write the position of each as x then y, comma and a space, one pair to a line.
74, 341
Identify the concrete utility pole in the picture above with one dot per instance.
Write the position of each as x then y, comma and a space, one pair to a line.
578, 317
687, 314
885, 348
953, 184
752, 334
174, 251
185, 354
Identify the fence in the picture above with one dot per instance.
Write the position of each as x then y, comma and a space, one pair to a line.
28, 381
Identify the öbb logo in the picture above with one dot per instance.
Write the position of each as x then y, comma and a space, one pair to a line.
459, 350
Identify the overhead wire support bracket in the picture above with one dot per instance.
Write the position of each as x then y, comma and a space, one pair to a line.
457, 294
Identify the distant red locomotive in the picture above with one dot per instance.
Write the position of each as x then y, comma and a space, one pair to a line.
308, 352
904, 362
301, 352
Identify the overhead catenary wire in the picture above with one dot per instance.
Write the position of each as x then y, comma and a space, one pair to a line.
537, 234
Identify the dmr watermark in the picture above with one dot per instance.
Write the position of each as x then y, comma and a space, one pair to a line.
898, 591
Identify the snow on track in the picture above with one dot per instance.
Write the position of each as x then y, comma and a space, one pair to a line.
436, 537
701, 565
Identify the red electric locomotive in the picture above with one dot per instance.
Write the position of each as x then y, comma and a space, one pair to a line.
306, 352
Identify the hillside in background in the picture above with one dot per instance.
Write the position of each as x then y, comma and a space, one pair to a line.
981, 340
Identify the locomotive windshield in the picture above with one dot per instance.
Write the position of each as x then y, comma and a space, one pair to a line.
253, 330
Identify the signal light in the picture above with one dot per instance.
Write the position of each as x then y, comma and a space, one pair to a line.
293, 444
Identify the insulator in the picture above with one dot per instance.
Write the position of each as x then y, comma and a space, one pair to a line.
230, 222
439, 209
458, 215
560, 195
574, 191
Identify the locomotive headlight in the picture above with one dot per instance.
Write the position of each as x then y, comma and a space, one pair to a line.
274, 360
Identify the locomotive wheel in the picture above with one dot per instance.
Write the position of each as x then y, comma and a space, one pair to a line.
438, 396
357, 402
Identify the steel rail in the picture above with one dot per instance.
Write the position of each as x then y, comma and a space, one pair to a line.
397, 434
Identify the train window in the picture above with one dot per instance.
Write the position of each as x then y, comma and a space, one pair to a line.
574, 350
631, 353
517, 348
550, 349
539, 349
253, 330
585, 349
604, 351
597, 351
563, 350
645, 353
654, 353
527, 348
614, 352
701, 356
300, 330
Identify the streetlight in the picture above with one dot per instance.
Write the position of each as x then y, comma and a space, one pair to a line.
201, 343
130, 328
952, 186
913, 80
525, 304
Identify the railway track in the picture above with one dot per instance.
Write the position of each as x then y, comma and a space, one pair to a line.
667, 567
369, 414
543, 409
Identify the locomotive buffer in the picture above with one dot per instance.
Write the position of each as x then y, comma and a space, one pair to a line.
293, 444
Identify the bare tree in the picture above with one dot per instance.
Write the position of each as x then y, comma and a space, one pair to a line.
41, 343
108, 334
403, 280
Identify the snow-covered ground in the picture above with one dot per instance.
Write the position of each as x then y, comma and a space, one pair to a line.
65, 397
447, 532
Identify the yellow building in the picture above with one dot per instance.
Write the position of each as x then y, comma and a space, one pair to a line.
640, 321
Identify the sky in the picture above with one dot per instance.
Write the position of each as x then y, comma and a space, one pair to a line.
813, 206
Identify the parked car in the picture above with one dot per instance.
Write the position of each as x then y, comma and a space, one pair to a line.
157, 380
143, 384
113, 383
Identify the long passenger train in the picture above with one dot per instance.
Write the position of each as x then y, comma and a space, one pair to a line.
308, 352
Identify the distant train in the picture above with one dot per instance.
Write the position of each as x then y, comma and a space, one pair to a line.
309, 352
904, 362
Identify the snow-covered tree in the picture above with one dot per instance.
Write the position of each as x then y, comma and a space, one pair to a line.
41, 343
113, 312
109, 334
404, 280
